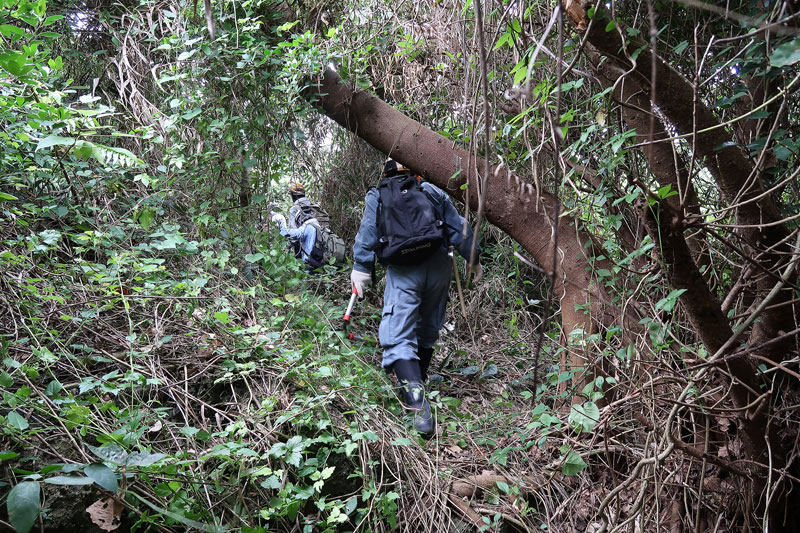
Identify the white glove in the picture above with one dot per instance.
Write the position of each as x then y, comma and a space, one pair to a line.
279, 220
360, 280
476, 271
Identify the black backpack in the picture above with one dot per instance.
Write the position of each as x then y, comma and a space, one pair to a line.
410, 228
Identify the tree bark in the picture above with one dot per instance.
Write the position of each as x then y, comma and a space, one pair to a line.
739, 182
764, 235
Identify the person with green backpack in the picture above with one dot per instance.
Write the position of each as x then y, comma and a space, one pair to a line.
409, 225
310, 236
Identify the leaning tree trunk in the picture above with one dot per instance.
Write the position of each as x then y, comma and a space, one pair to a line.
512, 204
767, 250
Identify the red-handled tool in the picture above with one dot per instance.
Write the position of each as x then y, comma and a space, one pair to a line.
346, 322
346, 319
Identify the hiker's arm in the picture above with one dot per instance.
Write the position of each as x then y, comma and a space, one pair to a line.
294, 233
367, 237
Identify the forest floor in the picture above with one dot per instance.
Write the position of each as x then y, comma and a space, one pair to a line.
222, 398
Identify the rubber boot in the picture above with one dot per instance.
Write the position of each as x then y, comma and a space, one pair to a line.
409, 379
425, 356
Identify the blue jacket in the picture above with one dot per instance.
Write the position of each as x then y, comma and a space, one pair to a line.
367, 237
306, 235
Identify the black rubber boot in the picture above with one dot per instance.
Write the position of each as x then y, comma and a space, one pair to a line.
425, 356
409, 378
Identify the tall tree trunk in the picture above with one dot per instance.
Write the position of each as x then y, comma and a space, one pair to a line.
765, 246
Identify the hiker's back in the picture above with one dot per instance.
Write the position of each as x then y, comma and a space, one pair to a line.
410, 224
328, 245
303, 210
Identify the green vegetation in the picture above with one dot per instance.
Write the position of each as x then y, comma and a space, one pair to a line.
162, 354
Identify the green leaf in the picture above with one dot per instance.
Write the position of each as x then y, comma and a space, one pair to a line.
15, 420
55, 140
53, 388
52, 20
506, 37
272, 482
15, 63
69, 480
573, 464
146, 217
6, 455
668, 303
23, 505
287, 26
144, 458
112, 453
584, 417
402, 441
786, 54
191, 113
6, 30
186, 55
179, 517
666, 191
352, 504
4, 196
254, 258
103, 476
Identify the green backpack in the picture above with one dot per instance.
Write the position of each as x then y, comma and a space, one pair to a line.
330, 245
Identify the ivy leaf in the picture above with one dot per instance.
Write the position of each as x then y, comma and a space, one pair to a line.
103, 476
573, 464
23, 505
15, 420
786, 54
146, 217
584, 417
272, 482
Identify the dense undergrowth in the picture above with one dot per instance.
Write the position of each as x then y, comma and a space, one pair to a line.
203, 383
165, 365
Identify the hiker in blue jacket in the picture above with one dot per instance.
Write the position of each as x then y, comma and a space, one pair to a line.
302, 239
299, 200
415, 297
